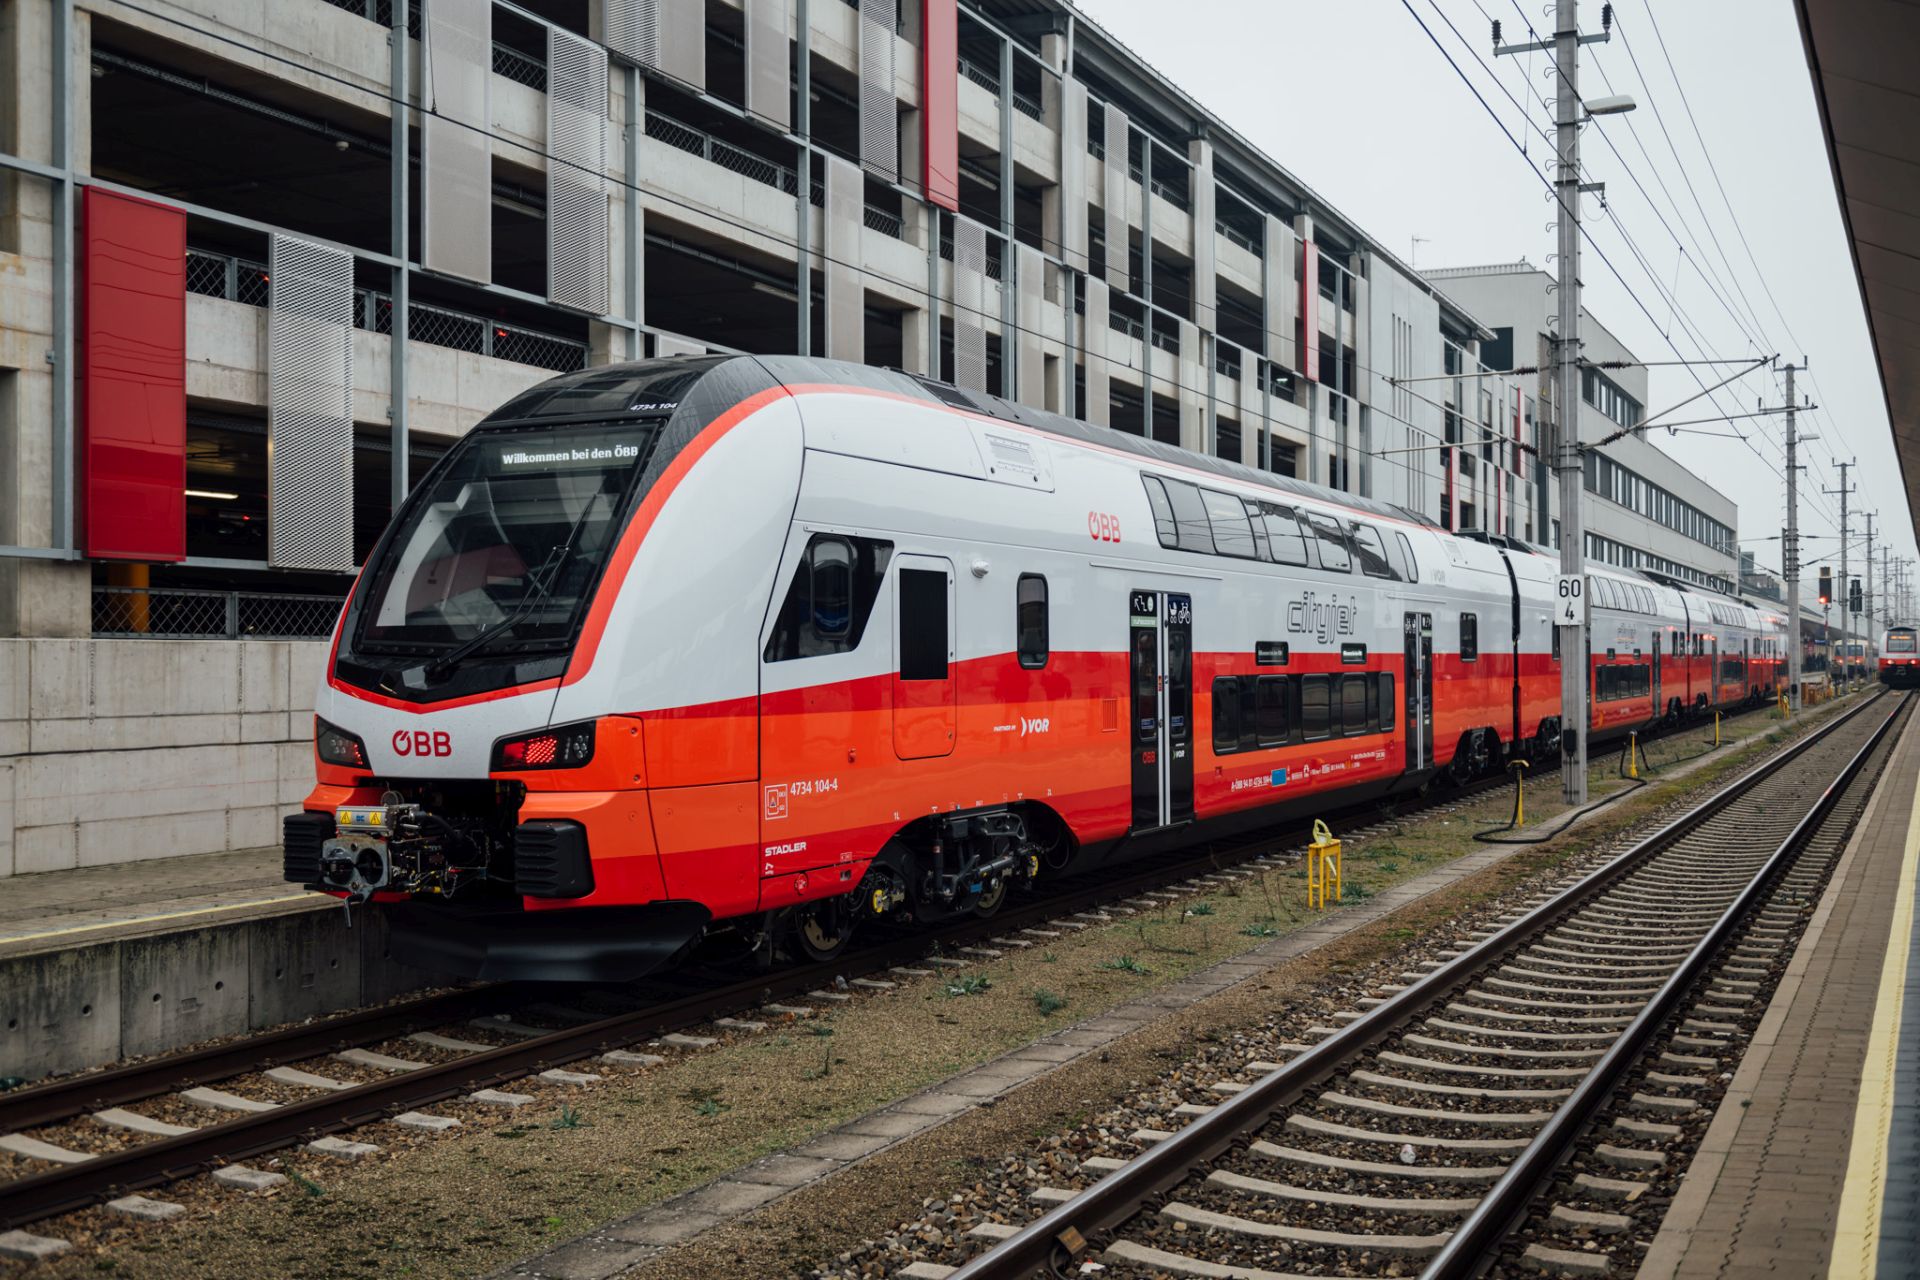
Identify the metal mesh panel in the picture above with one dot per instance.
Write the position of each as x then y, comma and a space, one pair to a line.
1030, 369
456, 159
1205, 287
879, 114
630, 28
167, 613
1282, 293
1119, 129
577, 273
1073, 173
769, 62
1094, 338
969, 299
846, 295
310, 406
683, 40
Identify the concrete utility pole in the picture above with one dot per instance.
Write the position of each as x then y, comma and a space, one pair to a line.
1870, 634
1569, 114
1846, 594
1790, 554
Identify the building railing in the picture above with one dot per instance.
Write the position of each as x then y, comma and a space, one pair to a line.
219, 275
174, 613
990, 81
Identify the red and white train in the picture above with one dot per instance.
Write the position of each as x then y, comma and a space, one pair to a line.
1900, 656
779, 645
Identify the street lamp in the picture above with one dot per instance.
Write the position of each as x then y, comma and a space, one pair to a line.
1615, 105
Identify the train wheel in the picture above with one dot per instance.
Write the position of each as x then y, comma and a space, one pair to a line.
821, 930
992, 897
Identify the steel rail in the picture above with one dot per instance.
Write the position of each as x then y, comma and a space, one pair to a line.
167, 1159
1063, 1232
75, 1095
149, 1164
1470, 1247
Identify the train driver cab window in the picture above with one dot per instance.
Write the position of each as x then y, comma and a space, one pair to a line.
1030, 620
831, 597
1470, 637
1372, 552
1333, 543
923, 624
1232, 533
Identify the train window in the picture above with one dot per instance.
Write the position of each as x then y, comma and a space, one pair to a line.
1259, 526
1332, 542
1162, 511
1470, 637
923, 624
1226, 715
1556, 644
831, 597
1373, 556
1270, 706
1190, 523
1030, 620
1285, 543
1232, 533
1406, 549
1316, 710
1387, 705
1353, 704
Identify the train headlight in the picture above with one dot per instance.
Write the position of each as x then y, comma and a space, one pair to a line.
335, 745
563, 747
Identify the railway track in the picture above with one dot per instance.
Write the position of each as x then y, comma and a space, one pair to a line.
1420, 1135
468, 1043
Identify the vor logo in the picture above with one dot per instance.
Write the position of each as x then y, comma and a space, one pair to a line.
1038, 724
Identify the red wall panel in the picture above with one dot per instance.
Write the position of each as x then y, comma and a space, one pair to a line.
940, 102
1310, 311
133, 388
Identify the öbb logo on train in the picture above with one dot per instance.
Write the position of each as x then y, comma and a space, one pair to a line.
419, 742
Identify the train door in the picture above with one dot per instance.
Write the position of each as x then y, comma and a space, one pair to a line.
1653, 676
1160, 675
1713, 672
923, 714
1417, 630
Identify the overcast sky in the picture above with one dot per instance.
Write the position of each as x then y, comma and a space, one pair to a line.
1354, 99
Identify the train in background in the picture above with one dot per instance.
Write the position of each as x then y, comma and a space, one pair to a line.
775, 647
1900, 657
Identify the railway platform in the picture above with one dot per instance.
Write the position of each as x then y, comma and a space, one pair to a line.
1811, 1167
102, 963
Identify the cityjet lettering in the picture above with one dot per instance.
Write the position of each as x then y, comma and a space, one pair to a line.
1322, 619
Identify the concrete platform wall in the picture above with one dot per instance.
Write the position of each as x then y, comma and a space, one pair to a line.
123, 750
85, 1006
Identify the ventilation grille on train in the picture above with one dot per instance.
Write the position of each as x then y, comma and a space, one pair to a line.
303, 834
550, 860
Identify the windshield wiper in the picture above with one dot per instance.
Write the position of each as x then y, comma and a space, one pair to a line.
540, 583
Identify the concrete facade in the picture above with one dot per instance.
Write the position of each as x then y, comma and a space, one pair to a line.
1144, 271
1625, 524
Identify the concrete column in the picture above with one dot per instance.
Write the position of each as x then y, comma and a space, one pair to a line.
1096, 337
1280, 284
37, 597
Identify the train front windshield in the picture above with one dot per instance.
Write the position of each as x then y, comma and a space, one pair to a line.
1900, 642
505, 548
